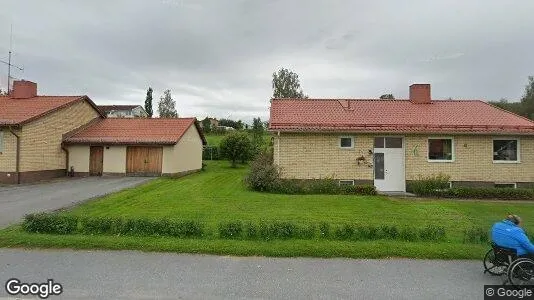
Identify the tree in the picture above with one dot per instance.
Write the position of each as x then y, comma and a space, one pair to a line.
236, 146
148, 102
387, 96
257, 136
166, 106
206, 125
286, 84
527, 101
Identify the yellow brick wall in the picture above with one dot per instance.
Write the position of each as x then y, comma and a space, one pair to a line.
473, 160
9, 152
307, 156
41, 139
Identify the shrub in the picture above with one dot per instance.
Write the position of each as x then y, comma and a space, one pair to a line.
432, 233
345, 232
231, 230
99, 225
430, 186
490, 193
186, 229
368, 233
251, 231
409, 234
306, 232
476, 235
365, 189
324, 230
263, 176
282, 230
50, 223
389, 232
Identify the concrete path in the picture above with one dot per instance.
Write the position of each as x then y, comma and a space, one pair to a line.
137, 275
16, 201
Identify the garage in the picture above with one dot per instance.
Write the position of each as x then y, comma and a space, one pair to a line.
135, 147
144, 161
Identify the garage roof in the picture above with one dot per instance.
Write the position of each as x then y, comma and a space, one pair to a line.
150, 131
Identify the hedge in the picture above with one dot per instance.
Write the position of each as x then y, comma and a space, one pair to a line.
64, 224
54, 223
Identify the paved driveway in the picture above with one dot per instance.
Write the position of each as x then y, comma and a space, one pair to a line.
137, 275
16, 201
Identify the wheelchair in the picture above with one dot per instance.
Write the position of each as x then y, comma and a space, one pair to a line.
501, 261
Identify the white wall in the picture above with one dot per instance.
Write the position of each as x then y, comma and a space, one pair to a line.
79, 158
115, 159
186, 155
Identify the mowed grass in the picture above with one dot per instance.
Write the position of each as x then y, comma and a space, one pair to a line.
219, 194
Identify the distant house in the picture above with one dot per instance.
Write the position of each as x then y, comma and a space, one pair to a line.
224, 128
123, 111
389, 143
213, 123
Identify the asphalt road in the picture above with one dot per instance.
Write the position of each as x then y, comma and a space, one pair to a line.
16, 201
138, 275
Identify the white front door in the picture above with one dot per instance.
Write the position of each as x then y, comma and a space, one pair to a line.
389, 164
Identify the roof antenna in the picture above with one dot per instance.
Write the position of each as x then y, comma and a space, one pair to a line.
8, 63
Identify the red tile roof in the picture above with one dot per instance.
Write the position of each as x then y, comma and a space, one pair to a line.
368, 115
20, 111
133, 131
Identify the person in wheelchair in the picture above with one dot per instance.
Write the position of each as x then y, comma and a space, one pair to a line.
509, 234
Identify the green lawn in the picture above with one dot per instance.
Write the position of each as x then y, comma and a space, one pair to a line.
218, 194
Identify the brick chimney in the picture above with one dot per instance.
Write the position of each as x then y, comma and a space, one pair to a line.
420, 93
23, 89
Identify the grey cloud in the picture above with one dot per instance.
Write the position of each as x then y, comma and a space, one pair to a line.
217, 57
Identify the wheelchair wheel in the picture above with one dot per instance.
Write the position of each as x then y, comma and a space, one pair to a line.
521, 272
491, 266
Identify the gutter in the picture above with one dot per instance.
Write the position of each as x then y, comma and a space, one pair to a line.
17, 163
278, 149
66, 158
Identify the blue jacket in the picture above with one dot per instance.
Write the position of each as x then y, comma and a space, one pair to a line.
507, 234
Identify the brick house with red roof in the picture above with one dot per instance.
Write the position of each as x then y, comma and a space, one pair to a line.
42, 137
389, 143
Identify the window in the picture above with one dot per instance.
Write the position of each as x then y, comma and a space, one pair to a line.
393, 142
506, 185
388, 142
505, 150
346, 182
440, 149
346, 142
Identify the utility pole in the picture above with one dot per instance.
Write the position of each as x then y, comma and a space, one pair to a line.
8, 63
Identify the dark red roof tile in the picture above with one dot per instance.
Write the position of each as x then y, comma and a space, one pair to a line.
18, 111
133, 131
368, 115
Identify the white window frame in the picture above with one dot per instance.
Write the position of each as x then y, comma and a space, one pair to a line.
346, 180
346, 137
453, 152
506, 161
513, 183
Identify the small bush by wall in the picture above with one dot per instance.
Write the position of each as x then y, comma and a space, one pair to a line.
429, 185
264, 176
489, 193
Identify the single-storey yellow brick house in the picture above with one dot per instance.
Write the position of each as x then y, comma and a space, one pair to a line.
389, 143
44, 137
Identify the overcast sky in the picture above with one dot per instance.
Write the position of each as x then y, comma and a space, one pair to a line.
217, 56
